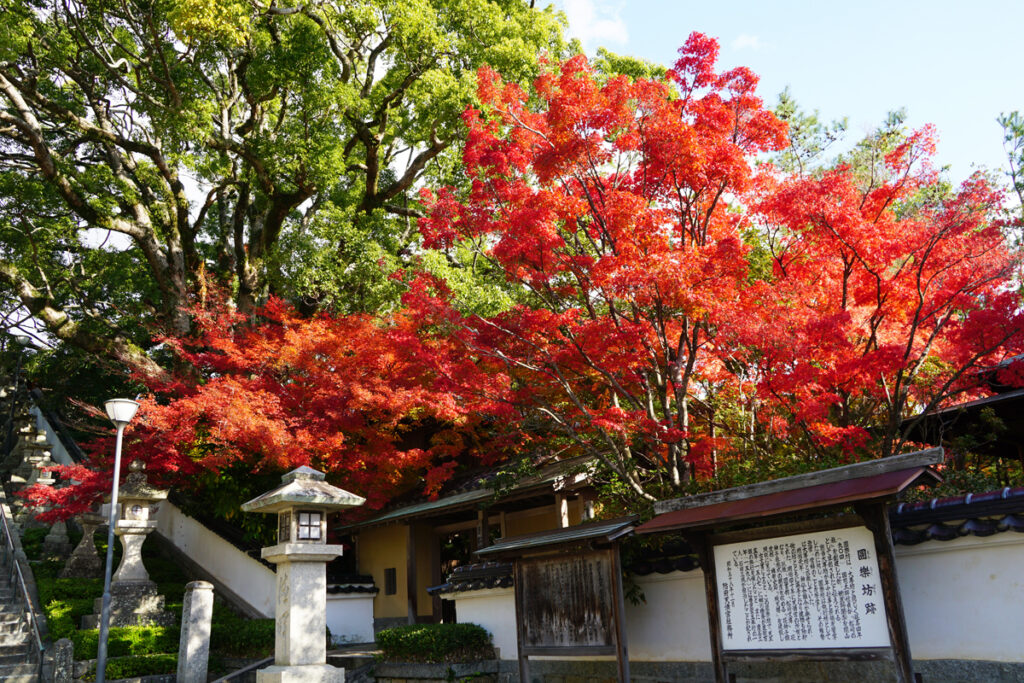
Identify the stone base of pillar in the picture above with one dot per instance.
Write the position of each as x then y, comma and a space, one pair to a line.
83, 565
57, 544
310, 673
132, 603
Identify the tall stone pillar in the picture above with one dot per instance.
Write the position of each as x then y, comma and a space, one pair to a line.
301, 555
196, 622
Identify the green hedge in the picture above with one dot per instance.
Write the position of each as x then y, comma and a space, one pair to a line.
64, 616
435, 643
130, 667
64, 589
130, 641
241, 637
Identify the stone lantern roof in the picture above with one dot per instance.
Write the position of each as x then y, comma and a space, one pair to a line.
303, 487
137, 487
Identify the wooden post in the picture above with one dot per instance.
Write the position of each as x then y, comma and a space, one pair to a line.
410, 574
619, 606
876, 519
705, 554
435, 577
483, 530
562, 510
524, 664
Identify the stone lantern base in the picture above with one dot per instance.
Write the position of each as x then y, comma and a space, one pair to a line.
132, 603
308, 673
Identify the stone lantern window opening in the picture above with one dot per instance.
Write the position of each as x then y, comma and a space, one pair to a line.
284, 526
309, 525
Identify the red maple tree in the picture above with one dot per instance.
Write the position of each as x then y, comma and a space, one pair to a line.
367, 399
624, 214
887, 298
606, 206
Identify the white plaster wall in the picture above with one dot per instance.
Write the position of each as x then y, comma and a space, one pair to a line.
672, 625
964, 599
350, 617
58, 453
246, 577
495, 610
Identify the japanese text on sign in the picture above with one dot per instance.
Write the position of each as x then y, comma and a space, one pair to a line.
818, 590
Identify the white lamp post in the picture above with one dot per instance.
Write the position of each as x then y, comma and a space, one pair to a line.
120, 411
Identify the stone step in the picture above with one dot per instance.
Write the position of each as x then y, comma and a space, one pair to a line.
15, 642
12, 628
16, 654
21, 672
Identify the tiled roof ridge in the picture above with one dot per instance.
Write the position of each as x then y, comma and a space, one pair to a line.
974, 514
1007, 493
474, 577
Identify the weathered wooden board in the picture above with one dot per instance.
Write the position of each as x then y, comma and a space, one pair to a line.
567, 602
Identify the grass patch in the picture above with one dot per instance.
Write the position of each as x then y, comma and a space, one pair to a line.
137, 665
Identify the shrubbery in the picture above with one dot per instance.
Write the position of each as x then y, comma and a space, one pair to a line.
435, 643
135, 665
236, 636
132, 641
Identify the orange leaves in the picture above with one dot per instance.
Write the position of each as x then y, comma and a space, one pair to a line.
356, 395
605, 204
891, 296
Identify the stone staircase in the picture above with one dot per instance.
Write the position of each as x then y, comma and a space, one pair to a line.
19, 653
23, 465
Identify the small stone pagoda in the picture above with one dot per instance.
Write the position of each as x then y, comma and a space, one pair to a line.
301, 504
134, 600
84, 562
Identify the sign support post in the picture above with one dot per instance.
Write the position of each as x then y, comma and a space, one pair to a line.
876, 519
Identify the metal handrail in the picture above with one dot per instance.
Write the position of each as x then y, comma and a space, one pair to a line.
21, 587
245, 670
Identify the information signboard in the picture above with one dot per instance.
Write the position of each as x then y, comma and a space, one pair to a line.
567, 601
814, 590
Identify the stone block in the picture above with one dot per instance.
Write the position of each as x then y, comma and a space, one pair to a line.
132, 604
63, 661
310, 673
57, 544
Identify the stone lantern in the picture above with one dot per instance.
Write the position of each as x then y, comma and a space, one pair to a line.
134, 597
138, 501
301, 554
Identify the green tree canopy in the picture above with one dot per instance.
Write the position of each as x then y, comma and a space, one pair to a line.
151, 149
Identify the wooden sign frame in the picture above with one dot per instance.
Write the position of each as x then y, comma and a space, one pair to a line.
868, 516
611, 565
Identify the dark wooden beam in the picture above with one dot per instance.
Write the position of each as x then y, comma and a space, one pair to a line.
701, 543
619, 607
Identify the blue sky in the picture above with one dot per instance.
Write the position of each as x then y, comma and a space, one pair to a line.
957, 65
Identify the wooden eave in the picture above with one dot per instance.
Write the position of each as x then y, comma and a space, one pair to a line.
809, 499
